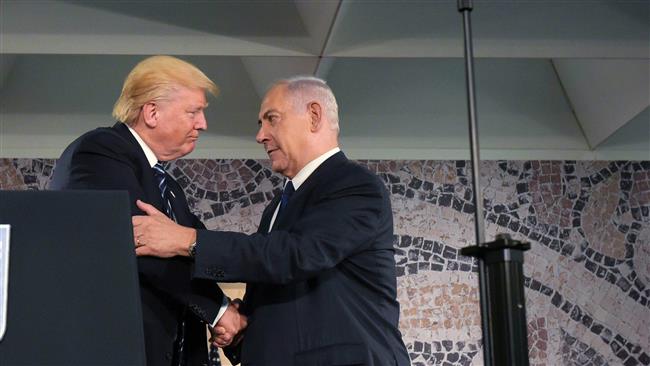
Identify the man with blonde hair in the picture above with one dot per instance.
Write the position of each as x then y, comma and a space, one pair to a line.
160, 116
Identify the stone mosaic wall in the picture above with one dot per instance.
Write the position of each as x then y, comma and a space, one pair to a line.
587, 274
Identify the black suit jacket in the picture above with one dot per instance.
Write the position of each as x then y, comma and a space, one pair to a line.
111, 158
321, 287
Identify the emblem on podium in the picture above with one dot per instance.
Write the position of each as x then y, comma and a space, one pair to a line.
4, 277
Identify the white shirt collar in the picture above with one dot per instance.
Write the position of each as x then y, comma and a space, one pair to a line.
151, 157
308, 169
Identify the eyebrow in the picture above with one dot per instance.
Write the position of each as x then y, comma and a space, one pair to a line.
266, 114
199, 106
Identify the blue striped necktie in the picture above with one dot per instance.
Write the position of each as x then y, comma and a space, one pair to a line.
161, 177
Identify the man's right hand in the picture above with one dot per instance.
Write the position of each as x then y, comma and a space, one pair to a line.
229, 329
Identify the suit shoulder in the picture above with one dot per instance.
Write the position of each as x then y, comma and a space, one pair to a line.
361, 171
352, 171
103, 140
103, 136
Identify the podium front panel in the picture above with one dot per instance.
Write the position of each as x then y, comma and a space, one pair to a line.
73, 294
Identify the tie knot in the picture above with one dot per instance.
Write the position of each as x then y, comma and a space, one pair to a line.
286, 194
158, 169
288, 189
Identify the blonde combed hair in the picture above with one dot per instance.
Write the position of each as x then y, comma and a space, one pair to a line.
155, 78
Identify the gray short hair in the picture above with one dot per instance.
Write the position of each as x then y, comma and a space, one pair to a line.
304, 89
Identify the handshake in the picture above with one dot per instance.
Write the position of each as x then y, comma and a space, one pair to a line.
157, 235
229, 330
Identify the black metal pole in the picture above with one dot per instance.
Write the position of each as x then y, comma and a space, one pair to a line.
500, 263
473, 130
465, 7
503, 263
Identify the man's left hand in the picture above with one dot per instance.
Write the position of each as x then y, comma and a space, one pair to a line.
156, 235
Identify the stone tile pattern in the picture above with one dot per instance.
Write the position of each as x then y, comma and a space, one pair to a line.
24, 174
537, 341
579, 353
587, 274
445, 352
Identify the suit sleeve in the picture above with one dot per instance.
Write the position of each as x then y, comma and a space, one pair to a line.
172, 277
341, 223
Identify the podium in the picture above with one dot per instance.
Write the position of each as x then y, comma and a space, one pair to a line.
73, 294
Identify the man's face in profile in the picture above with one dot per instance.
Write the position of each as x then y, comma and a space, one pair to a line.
283, 130
180, 120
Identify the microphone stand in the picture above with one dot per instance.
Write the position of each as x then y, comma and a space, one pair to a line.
500, 263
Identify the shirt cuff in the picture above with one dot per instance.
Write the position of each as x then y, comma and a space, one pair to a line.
222, 310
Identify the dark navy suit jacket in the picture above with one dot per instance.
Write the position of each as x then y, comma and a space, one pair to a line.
111, 158
321, 287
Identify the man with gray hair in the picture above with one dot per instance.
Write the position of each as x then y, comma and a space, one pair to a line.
320, 271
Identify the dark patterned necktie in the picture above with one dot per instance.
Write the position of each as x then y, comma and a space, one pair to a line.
161, 178
214, 358
286, 195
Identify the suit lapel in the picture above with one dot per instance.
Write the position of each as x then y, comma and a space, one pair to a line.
267, 215
146, 178
326, 168
302, 195
150, 185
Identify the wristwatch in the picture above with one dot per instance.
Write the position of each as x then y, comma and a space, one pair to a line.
192, 250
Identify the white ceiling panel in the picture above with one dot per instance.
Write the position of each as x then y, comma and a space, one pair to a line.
49, 100
265, 70
420, 104
605, 94
632, 141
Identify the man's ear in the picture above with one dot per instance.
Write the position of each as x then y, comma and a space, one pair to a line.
150, 114
315, 115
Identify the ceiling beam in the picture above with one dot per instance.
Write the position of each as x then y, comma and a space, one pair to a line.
7, 62
318, 18
318, 70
